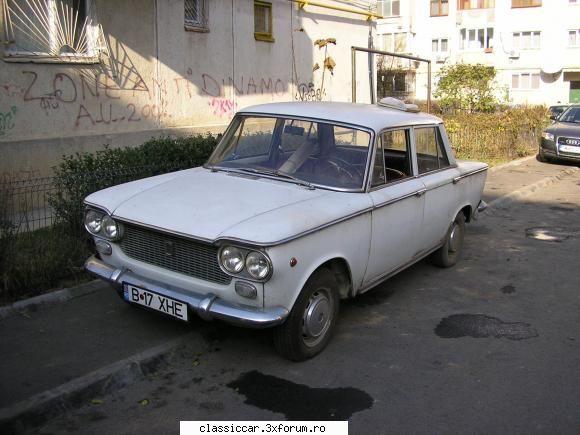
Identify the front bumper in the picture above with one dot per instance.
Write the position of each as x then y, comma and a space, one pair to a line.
207, 306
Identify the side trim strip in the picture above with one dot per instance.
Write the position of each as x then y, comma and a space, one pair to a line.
469, 174
400, 198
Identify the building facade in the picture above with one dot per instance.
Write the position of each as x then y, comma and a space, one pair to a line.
533, 44
78, 74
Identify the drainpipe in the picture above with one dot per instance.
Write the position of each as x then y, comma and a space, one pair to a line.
371, 69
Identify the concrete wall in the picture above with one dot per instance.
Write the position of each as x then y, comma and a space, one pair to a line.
154, 77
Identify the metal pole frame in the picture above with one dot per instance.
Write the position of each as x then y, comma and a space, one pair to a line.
387, 53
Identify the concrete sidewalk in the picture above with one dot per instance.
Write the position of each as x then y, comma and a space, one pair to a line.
56, 355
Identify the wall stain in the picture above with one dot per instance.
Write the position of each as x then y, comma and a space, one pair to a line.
482, 326
300, 402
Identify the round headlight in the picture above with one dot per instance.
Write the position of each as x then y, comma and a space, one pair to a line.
110, 227
257, 265
232, 259
93, 221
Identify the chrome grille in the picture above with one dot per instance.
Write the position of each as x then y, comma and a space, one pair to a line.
181, 255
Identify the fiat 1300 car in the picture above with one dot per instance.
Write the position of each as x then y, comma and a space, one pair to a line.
300, 206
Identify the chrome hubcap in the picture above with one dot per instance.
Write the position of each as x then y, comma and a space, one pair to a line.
454, 238
317, 316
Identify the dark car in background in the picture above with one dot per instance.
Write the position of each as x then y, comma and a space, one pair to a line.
556, 110
561, 140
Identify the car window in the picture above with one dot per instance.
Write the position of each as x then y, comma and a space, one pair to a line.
297, 132
312, 151
431, 153
392, 157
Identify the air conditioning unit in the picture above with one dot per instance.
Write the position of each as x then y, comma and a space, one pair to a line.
514, 54
440, 58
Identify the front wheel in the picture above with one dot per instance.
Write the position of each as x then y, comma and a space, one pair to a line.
448, 254
310, 325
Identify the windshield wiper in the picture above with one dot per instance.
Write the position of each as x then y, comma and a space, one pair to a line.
278, 174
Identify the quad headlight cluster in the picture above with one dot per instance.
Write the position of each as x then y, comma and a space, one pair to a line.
101, 224
244, 262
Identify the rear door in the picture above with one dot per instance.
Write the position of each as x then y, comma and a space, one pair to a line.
397, 198
436, 174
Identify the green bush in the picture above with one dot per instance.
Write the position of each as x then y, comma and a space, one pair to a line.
79, 175
496, 137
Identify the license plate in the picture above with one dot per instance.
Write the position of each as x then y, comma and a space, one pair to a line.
569, 149
157, 302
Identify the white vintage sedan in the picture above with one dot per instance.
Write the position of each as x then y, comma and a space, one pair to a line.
299, 206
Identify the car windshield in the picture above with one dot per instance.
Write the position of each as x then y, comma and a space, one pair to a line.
572, 114
307, 152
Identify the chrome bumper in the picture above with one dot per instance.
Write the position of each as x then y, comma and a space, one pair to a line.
481, 207
207, 306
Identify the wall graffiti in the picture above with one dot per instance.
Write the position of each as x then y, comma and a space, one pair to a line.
92, 98
223, 106
7, 120
308, 92
241, 86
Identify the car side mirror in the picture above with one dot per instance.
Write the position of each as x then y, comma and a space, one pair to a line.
553, 117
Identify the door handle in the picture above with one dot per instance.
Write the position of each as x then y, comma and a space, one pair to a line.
420, 192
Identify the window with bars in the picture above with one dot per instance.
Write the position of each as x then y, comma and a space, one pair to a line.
439, 8
195, 15
525, 81
475, 4
263, 21
50, 30
526, 3
389, 8
475, 39
526, 40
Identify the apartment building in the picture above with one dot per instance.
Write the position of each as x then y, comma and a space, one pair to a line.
533, 44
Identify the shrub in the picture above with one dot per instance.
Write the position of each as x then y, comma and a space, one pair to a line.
79, 175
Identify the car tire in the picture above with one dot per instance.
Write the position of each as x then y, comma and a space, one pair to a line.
542, 157
448, 254
310, 325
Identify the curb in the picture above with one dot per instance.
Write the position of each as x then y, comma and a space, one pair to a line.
512, 163
40, 408
506, 200
51, 298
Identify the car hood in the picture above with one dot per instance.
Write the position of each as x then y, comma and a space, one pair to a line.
210, 205
564, 129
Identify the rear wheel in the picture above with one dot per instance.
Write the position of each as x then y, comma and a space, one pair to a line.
310, 325
450, 252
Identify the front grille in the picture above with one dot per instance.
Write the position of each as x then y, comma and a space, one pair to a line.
571, 141
181, 255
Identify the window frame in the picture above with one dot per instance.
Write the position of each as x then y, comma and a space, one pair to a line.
439, 42
381, 8
480, 4
92, 32
517, 4
192, 25
259, 35
393, 45
440, 9
441, 150
464, 43
530, 77
577, 43
520, 35
380, 147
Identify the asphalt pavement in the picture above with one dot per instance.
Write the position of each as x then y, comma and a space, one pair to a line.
65, 349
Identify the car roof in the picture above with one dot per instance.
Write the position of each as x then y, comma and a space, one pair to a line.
371, 116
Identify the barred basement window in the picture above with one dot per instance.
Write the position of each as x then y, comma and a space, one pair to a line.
195, 18
263, 21
50, 31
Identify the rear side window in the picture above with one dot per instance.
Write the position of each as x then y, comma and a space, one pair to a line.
431, 154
